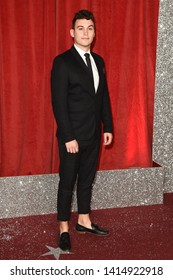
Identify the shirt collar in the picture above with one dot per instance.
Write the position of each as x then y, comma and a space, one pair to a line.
80, 51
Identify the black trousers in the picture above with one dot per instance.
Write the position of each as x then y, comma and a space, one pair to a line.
82, 167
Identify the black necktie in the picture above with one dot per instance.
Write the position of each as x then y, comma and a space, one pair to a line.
88, 61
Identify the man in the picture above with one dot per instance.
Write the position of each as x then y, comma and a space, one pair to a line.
80, 103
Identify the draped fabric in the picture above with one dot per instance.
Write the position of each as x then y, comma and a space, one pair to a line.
32, 32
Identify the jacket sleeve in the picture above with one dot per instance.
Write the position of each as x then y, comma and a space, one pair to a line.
59, 90
106, 108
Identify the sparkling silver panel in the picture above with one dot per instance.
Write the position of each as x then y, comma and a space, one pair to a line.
163, 117
35, 195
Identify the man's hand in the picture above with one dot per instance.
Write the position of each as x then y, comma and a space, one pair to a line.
108, 138
72, 147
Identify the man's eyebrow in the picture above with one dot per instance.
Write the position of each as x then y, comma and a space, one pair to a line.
91, 25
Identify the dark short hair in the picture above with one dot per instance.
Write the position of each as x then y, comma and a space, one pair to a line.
83, 14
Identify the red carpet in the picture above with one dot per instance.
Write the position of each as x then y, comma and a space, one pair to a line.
144, 232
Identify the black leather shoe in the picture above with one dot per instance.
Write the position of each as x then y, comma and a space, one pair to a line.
94, 230
64, 241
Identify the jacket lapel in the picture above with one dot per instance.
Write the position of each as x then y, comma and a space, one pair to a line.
84, 74
100, 71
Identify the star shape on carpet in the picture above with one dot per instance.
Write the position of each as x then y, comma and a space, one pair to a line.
56, 252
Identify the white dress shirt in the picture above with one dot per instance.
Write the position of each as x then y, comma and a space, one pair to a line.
94, 67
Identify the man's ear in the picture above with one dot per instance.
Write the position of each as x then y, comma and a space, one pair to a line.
72, 33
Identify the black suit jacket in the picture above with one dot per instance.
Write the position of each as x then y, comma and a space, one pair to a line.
78, 110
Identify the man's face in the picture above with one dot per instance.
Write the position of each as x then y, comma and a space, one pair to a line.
83, 33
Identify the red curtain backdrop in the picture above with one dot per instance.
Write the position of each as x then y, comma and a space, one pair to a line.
32, 32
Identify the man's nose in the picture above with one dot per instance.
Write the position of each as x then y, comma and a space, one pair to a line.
85, 31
